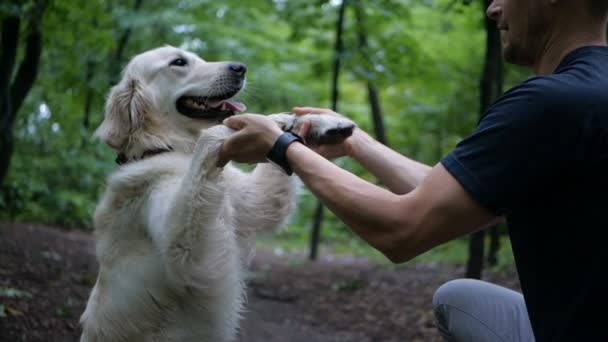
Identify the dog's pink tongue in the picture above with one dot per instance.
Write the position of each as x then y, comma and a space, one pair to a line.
235, 106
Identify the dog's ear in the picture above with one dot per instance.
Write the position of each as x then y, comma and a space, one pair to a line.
126, 106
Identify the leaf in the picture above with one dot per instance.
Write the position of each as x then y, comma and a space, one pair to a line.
64, 312
10, 292
13, 312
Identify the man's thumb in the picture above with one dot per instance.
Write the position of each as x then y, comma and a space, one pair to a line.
234, 123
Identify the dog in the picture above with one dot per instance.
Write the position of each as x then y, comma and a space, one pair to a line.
174, 232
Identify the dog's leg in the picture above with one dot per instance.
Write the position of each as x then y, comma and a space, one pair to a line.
200, 249
265, 197
198, 240
263, 201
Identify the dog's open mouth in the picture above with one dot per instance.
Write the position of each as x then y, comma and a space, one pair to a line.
210, 108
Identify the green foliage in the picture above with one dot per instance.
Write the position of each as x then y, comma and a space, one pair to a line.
9, 292
58, 184
425, 56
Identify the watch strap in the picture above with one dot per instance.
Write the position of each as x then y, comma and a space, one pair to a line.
278, 152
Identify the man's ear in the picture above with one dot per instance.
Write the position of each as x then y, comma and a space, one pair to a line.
126, 106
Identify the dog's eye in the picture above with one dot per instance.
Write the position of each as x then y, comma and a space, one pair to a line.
178, 62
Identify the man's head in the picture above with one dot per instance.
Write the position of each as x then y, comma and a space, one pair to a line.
530, 27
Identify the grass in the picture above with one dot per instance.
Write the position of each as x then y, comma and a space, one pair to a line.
340, 242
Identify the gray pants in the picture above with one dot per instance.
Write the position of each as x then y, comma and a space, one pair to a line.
474, 310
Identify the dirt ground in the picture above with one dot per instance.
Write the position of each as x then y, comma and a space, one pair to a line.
289, 299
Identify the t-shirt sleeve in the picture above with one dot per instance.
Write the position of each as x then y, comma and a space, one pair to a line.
512, 148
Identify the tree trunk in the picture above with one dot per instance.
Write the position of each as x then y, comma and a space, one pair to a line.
88, 97
491, 87
8, 54
13, 91
494, 246
335, 94
476, 251
117, 58
316, 231
372, 91
28, 70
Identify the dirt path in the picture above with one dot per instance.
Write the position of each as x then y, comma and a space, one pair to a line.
289, 299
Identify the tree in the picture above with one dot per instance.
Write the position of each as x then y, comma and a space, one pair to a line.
116, 60
13, 90
335, 94
491, 84
372, 91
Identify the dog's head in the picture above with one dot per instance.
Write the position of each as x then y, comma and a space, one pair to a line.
165, 97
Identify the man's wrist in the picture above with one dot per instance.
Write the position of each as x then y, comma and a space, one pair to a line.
278, 151
355, 144
270, 139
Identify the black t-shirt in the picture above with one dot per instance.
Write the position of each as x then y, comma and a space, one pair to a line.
539, 156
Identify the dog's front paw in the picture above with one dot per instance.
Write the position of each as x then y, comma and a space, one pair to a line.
326, 129
208, 149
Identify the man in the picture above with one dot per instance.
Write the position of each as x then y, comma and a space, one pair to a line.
538, 158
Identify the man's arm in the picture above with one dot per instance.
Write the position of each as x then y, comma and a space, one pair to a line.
399, 173
400, 226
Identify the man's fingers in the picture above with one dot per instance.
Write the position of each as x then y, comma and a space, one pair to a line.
310, 110
235, 122
227, 148
303, 129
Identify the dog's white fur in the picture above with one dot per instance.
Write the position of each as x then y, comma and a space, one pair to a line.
174, 231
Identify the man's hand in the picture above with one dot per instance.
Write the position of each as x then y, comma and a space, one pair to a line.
253, 140
329, 151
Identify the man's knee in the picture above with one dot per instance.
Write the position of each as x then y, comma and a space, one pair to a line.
459, 314
456, 293
447, 297
475, 310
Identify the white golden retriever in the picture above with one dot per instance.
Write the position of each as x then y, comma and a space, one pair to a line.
173, 231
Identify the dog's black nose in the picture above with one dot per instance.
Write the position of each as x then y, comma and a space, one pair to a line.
238, 68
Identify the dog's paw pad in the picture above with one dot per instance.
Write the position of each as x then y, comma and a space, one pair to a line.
337, 134
341, 131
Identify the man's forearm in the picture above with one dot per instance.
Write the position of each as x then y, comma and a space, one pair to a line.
401, 226
369, 210
399, 173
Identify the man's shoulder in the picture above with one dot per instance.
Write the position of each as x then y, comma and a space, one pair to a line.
551, 87
532, 98
568, 93
579, 82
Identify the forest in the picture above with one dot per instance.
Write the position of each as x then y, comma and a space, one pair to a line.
416, 74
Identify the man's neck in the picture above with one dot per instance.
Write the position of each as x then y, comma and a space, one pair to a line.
561, 44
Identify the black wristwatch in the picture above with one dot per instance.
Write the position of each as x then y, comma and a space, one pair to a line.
277, 153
